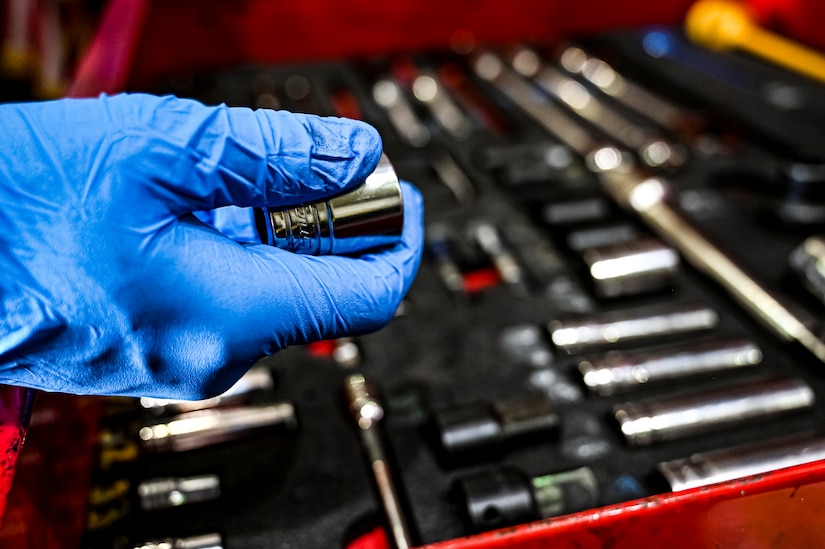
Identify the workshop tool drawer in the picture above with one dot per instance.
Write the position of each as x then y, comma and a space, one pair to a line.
581, 361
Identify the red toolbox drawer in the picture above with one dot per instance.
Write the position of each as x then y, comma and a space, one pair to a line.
141, 43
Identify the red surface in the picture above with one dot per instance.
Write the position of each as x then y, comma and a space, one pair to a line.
15, 409
799, 19
481, 279
141, 42
185, 35
47, 503
109, 60
782, 509
324, 348
374, 539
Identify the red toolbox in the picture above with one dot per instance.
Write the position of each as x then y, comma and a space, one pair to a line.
155, 46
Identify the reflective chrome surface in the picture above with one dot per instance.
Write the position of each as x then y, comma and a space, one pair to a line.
489, 240
162, 493
808, 261
652, 147
390, 97
705, 468
580, 333
618, 372
605, 78
452, 176
631, 268
369, 216
647, 196
368, 413
428, 89
206, 541
647, 421
200, 428
490, 67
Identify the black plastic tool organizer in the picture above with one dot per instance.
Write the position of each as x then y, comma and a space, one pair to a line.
312, 488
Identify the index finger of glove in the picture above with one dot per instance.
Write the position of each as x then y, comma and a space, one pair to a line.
197, 157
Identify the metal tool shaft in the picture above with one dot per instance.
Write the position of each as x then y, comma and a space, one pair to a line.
368, 413
652, 147
452, 176
596, 71
491, 68
429, 90
489, 240
389, 95
647, 196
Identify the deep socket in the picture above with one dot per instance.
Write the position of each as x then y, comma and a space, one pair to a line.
644, 422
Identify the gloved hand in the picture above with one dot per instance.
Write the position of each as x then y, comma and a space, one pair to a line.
109, 284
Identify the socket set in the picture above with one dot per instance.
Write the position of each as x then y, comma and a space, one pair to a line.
621, 296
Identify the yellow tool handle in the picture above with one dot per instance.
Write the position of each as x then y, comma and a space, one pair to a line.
723, 24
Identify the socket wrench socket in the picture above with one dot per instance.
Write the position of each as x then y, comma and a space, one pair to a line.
706, 468
645, 422
369, 216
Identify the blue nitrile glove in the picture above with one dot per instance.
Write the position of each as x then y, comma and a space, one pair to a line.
109, 284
